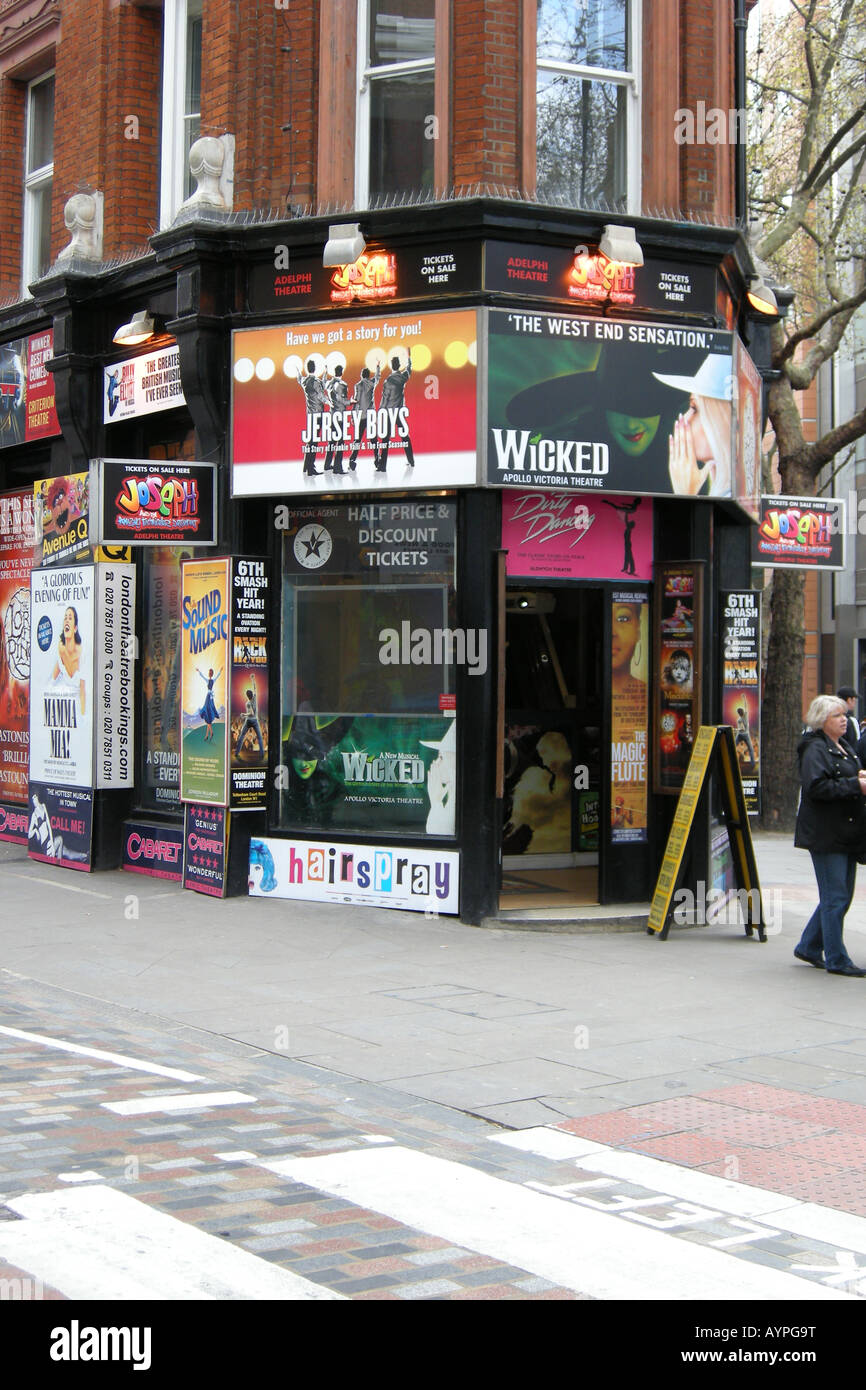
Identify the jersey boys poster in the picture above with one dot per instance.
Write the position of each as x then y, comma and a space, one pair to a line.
204, 681
16, 555
388, 402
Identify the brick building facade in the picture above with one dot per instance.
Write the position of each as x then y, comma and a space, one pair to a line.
469, 140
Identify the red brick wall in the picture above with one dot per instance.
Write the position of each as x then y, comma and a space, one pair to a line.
12, 102
486, 94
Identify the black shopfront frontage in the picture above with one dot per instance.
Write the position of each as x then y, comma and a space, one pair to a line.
496, 485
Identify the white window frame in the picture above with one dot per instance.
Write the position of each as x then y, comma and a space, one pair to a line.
34, 183
174, 144
367, 75
630, 79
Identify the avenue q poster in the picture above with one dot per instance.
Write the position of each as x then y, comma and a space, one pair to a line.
623, 407
351, 404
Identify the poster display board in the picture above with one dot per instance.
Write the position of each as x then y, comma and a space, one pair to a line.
800, 533
740, 627
60, 828
115, 673
629, 717
554, 535
416, 880
250, 723
386, 402
748, 419
63, 664
205, 856
16, 558
142, 385
139, 502
205, 658
62, 519
159, 786
678, 627
155, 850
615, 406
27, 409
713, 752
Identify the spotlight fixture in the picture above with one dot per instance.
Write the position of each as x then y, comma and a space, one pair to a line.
140, 329
344, 245
620, 244
761, 298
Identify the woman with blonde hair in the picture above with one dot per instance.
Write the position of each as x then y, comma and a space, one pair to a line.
831, 825
700, 448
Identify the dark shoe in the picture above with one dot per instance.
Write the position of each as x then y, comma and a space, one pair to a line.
810, 960
853, 970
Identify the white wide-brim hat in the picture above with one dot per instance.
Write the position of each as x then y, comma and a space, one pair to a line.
448, 743
713, 378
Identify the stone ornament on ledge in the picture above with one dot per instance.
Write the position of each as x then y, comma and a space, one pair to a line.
83, 217
211, 163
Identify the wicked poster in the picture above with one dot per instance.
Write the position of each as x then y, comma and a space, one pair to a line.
387, 402
16, 556
740, 626
629, 645
577, 403
205, 655
354, 772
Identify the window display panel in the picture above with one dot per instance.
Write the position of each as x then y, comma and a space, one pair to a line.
159, 788
369, 649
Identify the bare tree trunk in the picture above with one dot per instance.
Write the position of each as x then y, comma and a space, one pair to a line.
781, 712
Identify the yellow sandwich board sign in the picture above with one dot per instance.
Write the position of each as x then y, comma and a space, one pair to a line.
714, 748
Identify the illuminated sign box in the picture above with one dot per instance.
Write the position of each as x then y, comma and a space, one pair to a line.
800, 533
144, 502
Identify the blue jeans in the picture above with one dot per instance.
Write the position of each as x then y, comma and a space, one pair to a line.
835, 874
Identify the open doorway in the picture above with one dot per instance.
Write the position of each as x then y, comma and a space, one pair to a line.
553, 720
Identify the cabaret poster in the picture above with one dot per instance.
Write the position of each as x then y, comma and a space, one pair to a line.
351, 404
629, 648
205, 654
620, 407
16, 557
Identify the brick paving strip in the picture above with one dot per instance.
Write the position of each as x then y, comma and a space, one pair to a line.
809, 1147
169, 1161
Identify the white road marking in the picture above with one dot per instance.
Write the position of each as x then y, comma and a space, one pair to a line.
116, 1058
733, 1198
787, 1214
588, 1251
97, 1243
87, 1175
193, 1101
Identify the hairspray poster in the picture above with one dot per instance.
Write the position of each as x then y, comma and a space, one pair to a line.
205, 623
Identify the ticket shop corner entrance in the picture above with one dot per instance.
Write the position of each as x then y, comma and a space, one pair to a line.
553, 726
